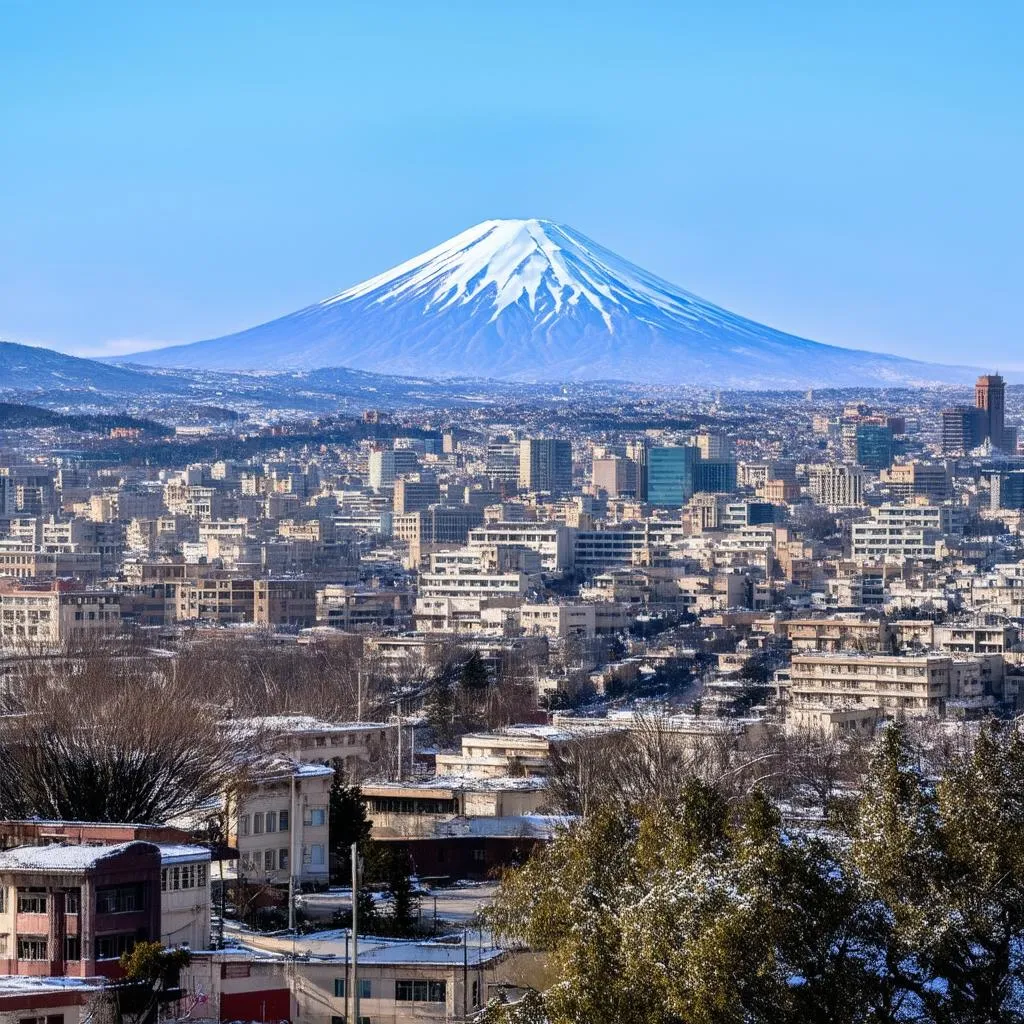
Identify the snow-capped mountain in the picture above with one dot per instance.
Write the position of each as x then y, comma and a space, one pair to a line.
534, 300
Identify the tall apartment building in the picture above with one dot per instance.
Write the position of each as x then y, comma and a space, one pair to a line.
545, 464
1007, 490
919, 479
414, 494
872, 445
387, 463
502, 459
990, 400
439, 524
637, 452
713, 445
838, 485
714, 476
614, 475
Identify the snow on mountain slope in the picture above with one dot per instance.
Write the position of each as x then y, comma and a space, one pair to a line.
535, 300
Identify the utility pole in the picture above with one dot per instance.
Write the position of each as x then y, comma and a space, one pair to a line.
355, 933
291, 856
398, 719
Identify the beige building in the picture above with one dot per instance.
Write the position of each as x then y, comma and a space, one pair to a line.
407, 810
400, 981
279, 823
517, 750
185, 904
892, 684
57, 614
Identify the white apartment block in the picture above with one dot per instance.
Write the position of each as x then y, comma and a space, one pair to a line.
34, 617
185, 904
916, 686
279, 823
552, 541
837, 486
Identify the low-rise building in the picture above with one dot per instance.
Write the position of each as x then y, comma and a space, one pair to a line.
75, 909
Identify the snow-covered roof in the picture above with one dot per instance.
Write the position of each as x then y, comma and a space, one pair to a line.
180, 853
18, 984
63, 857
469, 783
525, 826
292, 724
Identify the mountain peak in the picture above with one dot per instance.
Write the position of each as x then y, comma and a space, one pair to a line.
532, 299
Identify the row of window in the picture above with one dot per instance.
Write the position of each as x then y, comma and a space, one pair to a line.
410, 991
120, 899
254, 862
37, 947
260, 822
185, 876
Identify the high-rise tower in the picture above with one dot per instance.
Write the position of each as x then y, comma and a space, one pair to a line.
990, 399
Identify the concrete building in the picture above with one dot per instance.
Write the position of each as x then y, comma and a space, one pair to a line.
279, 823
48, 615
545, 464
552, 541
837, 486
387, 463
73, 910
185, 904
414, 494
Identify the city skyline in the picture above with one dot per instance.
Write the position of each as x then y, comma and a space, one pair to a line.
177, 178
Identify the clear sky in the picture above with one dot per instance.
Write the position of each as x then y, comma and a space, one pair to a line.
851, 172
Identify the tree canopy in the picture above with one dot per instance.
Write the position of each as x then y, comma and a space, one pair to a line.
705, 908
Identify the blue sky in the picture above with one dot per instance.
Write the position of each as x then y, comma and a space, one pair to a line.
850, 172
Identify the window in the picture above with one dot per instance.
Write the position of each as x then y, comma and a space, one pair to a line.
3, 945
269, 860
3, 899
257, 824
420, 991
31, 901
316, 854
339, 988
271, 821
72, 901
365, 988
200, 876
283, 859
476, 993
110, 947
72, 948
243, 825
282, 821
317, 817
120, 899
33, 947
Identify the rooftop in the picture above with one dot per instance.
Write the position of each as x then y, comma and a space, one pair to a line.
63, 857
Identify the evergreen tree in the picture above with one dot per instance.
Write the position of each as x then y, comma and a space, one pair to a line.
474, 675
348, 824
701, 910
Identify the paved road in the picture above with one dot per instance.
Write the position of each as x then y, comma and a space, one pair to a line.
458, 904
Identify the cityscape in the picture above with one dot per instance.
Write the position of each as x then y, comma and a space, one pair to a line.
514, 636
